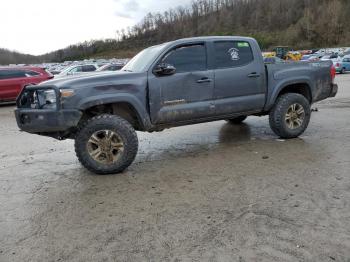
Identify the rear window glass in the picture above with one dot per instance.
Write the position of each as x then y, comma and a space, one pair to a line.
31, 73
232, 54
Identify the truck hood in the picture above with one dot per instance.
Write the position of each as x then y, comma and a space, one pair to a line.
97, 80
105, 87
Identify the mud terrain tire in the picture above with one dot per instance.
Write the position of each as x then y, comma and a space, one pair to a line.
290, 115
113, 156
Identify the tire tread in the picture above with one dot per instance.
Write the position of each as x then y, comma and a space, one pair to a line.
102, 120
276, 116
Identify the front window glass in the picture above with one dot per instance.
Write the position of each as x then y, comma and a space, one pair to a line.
76, 69
141, 61
187, 58
31, 73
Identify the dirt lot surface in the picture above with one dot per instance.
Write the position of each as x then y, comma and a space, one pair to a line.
209, 192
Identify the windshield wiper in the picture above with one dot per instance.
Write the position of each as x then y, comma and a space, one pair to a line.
127, 70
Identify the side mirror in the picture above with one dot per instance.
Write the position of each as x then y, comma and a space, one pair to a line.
164, 69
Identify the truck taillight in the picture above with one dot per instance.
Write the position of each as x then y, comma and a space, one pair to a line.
333, 72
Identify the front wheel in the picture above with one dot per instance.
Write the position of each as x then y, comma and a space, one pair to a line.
290, 116
106, 144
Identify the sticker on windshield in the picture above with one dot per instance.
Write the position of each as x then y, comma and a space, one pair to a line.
242, 44
234, 53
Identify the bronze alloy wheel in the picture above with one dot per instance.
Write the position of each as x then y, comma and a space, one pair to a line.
295, 116
105, 147
290, 116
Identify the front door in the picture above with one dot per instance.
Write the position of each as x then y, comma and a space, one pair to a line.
239, 78
188, 93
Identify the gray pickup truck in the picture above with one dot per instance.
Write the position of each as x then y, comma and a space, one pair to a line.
183, 82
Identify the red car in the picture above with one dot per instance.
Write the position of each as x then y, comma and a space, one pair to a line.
13, 79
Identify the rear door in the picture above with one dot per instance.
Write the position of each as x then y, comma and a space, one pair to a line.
187, 94
32, 77
11, 83
239, 77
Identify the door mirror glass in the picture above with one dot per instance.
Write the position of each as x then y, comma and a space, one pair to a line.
164, 69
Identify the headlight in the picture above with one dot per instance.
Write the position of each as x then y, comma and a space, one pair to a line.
47, 99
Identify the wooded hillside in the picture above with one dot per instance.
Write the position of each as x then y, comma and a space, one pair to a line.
10, 57
300, 24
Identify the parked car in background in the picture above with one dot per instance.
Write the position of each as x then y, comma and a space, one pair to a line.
321, 52
327, 57
305, 58
306, 52
346, 64
347, 51
337, 62
273, 60
311, 58
14, 79
56, 70
339, 67
78, 69
111, 67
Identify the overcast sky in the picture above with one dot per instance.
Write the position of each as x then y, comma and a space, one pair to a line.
40, 26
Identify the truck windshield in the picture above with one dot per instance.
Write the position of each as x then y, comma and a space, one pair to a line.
140, 62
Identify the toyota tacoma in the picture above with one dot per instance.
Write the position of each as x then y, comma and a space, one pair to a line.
183, 82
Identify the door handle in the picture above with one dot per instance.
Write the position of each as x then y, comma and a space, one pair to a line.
204, 80
254, 74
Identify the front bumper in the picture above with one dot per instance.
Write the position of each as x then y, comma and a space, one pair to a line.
46, 121
32, 118
334, 90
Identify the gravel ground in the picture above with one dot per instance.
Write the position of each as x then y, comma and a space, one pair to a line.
208, 192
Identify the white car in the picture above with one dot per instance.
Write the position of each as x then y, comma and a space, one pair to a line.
337, 62
347, 51
78, 69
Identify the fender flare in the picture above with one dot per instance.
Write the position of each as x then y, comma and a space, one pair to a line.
284, 84
104, 99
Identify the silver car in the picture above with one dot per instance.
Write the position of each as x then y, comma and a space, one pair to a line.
78, 69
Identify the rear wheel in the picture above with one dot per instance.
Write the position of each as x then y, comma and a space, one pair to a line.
342, 71
237, 120
290, 116
106, 144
